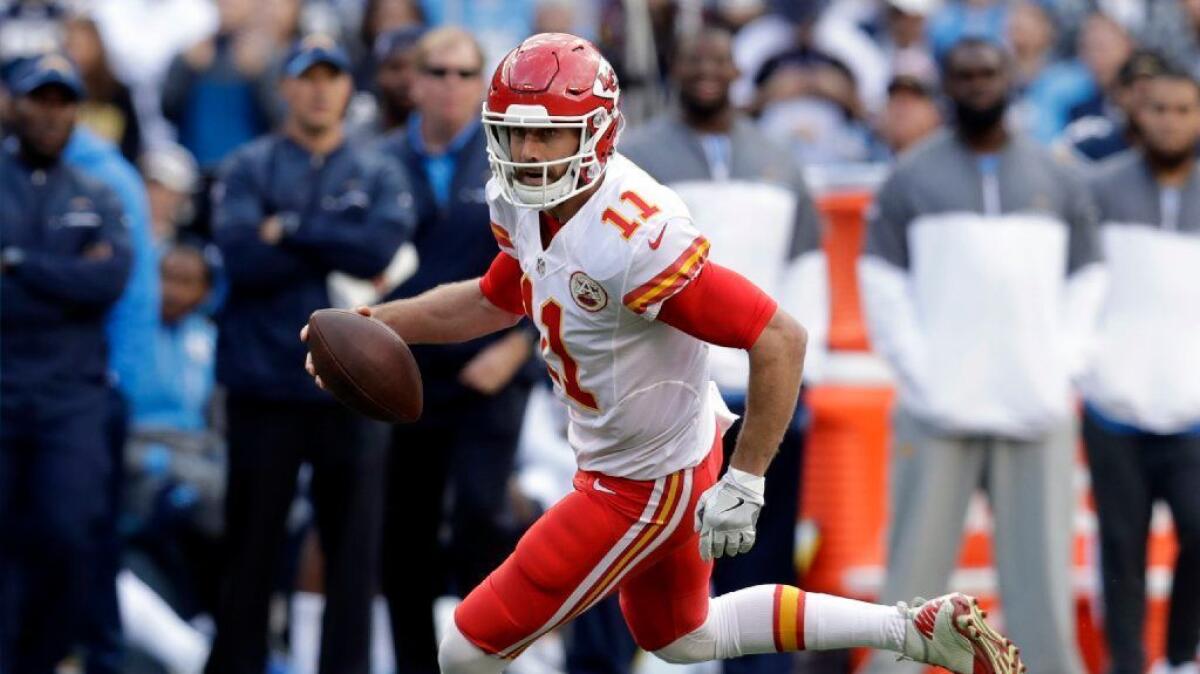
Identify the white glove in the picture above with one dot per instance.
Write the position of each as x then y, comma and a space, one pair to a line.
727, 512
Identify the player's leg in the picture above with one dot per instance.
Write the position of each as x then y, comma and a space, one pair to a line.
949, 631
772, 559
1182, 491
561, 568
1033, 508
666, 604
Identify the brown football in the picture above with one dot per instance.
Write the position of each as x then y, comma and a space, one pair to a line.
365, 365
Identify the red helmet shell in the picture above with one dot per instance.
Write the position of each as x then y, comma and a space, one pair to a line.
564, 74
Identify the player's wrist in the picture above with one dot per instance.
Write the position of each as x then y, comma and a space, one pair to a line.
746, 481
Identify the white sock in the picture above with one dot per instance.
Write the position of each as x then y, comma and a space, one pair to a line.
832, 622
305, 631
155, 628
457, 655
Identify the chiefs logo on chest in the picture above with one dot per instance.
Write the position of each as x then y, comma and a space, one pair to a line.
588, 294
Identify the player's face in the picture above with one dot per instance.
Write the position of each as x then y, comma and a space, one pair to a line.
45, 119
318, 97
1169, 118
542, 144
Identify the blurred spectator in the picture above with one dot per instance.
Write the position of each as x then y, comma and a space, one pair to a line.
174, 461
1046, 88
911, 113
291, 208
810, 103
870, 36
130, 329
730, 174
108, 109
171, 178
141, 38
391, 103
28, 29
1114, 128
498, 25
218, 93
1173, 28
958, 19
1103, 47
981, 283
380, 17
474, 396
554, 16
1142, 421
64, 257
754, 44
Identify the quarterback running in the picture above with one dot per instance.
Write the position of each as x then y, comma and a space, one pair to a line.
607, 264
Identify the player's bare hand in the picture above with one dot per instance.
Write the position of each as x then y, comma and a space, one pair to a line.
491, 369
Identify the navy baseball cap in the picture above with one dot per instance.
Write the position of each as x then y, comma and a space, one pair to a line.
44, 71
312, 50
397, 39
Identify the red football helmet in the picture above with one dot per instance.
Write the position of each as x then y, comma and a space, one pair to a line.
553, 79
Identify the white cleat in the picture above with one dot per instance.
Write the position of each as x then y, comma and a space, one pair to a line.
952, 632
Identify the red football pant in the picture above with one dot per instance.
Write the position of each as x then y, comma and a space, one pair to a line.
609, 534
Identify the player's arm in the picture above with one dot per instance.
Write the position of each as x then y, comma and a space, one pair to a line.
721, 307
776, 363
454, 312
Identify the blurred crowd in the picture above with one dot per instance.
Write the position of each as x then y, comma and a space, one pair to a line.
182, 182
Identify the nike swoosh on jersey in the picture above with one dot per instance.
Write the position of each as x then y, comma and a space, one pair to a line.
658, 240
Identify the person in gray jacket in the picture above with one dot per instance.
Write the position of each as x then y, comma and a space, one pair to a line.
981, 282
1142, 420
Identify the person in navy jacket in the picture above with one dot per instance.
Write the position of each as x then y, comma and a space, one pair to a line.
64, 259
291, 208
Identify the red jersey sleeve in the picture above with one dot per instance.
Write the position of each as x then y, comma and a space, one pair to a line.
721, 307
502, 284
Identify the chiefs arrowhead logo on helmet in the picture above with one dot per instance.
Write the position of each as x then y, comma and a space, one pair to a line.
553, 80
606, 81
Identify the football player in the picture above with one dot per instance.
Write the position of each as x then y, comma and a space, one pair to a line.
606, 262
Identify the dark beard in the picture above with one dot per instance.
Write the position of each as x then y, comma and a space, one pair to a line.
703, 110
974, 121
1169, 161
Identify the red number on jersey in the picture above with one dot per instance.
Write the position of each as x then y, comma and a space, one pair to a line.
628, 227
552, 317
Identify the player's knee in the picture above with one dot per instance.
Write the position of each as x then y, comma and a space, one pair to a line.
457, 655
699, 645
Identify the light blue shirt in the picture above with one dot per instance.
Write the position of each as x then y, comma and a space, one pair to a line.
439, 168
175, 393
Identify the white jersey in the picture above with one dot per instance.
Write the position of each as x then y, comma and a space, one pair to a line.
638, 392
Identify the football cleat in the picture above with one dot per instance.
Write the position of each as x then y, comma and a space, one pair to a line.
952, 632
